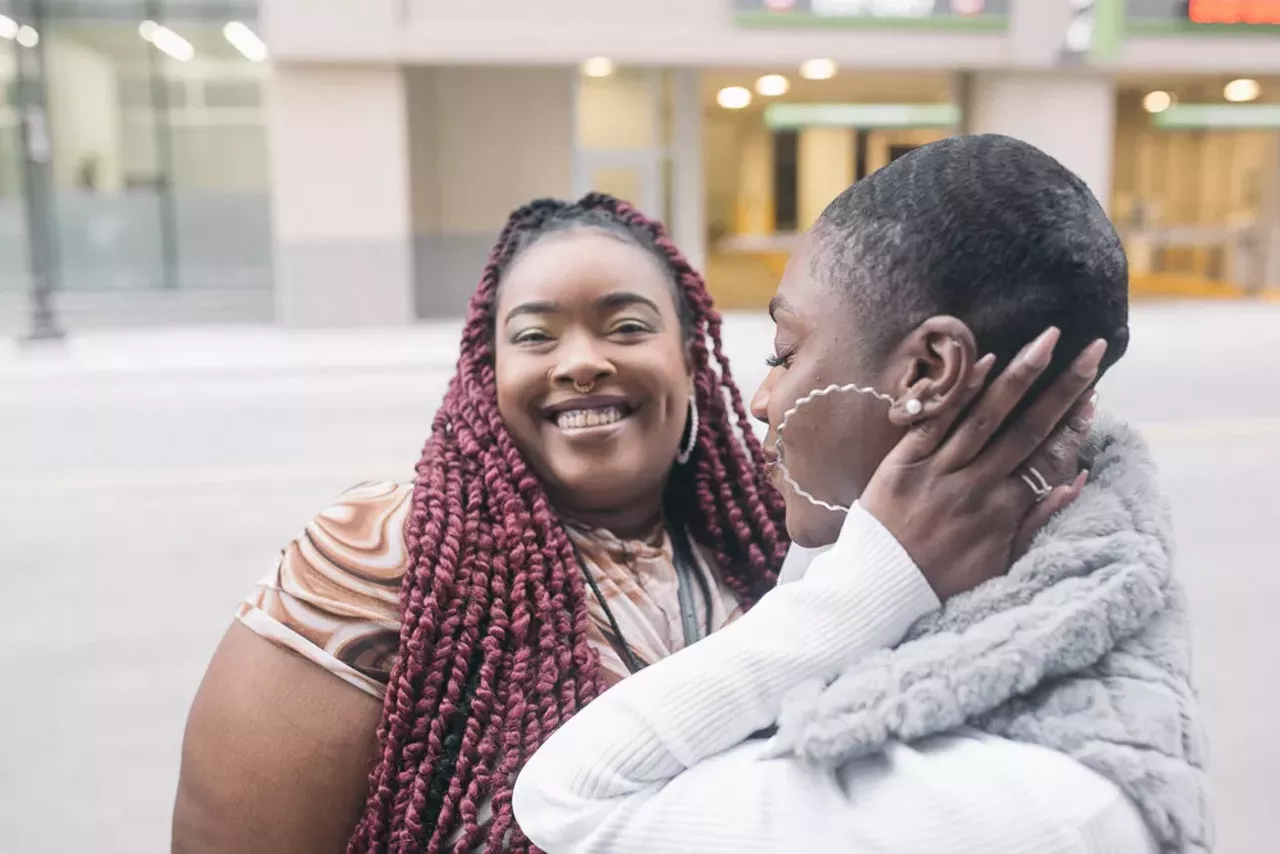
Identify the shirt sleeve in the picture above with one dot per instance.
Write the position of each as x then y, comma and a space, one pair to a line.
665, 760
333, 595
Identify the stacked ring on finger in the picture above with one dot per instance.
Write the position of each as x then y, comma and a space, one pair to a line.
1040, 487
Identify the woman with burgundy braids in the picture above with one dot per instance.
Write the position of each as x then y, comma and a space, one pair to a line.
590, 500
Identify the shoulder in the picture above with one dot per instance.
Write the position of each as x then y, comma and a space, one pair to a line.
334, 594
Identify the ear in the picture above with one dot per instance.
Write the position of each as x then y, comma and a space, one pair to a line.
931, 368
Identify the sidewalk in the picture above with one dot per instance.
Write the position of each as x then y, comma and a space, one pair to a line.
183, 350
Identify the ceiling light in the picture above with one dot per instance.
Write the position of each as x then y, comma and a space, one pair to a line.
1239, 91
166, 40
772, 85
8, 28
598, 66
245, 40
818, 69
27, 36
733, 97
1157, 101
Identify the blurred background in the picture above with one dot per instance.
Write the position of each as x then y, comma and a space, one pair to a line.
236, 238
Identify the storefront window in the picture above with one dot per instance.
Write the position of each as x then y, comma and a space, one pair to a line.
159, 167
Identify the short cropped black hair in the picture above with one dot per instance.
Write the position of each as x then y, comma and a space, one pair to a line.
985, 228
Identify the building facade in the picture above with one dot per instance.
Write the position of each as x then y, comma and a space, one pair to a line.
361, 172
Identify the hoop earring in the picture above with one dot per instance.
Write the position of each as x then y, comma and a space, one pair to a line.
687, 451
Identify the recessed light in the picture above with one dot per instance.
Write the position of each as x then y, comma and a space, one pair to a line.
772, 85
1157, 101
1240, 91
598, 66
733, 97
818, 69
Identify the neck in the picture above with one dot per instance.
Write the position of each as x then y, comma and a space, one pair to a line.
628, 521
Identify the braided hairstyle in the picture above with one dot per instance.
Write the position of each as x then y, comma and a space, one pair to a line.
493, 642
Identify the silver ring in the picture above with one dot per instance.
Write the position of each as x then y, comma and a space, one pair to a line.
1040, 487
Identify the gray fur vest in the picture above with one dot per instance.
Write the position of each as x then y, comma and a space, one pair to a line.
1082, 647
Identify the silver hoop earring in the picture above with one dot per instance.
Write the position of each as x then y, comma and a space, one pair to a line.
687, 451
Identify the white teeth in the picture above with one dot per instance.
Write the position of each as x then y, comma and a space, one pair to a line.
577, 419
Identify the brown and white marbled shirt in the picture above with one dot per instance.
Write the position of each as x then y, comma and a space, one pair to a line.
334, 595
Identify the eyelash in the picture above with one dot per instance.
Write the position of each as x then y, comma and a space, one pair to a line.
626, 327
776, 360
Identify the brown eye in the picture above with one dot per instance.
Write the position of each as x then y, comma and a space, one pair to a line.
530, 336
632, 327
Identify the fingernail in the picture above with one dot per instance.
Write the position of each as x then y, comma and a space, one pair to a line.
1086, 364
1084, 417
981, 369
1040, 353
1081, 480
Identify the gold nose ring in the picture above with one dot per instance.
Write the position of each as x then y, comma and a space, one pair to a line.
583, 388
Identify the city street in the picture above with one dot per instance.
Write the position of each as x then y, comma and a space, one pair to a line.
148, 479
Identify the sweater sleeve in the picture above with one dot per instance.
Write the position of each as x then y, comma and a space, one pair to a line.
664, 761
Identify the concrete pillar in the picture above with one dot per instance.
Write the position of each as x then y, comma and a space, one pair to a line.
1069, 116
688, 193
825, 170
340, 195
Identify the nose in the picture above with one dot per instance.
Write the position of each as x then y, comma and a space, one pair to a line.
581, 365
760, 400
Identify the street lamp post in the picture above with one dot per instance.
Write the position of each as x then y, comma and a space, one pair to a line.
31, 102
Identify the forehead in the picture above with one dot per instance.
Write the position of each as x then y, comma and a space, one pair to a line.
804, 291
578, 267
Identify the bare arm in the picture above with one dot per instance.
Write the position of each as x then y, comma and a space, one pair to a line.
276, 756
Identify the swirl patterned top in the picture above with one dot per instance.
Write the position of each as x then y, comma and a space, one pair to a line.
333, 597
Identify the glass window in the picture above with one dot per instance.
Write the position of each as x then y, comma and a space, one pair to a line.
159, 164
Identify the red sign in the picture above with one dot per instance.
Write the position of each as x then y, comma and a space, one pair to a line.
1234, 11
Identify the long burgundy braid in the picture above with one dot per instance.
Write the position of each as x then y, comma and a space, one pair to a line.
493, 644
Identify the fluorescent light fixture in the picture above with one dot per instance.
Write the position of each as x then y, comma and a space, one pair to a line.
733, 97
863, 116
8, 28
598, 66
818, 69
1238, 116
245, 40
1157, 101
27, 36
772, 85
1242, 91
166, 40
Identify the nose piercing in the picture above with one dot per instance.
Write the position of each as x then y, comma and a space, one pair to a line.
583, 388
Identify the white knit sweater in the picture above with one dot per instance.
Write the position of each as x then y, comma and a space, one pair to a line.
665, 761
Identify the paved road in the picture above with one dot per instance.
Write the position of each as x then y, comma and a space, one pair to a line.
137, 505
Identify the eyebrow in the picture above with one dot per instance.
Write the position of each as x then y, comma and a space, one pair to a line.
778, 304
544, 307
616, 300
622, 299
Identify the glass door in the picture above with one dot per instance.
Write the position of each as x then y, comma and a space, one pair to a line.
621, 136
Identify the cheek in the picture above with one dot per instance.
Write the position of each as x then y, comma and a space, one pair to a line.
518, 381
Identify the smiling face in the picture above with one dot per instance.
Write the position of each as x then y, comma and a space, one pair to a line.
592, 375
833, 444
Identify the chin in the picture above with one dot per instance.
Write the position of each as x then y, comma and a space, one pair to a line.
809, 526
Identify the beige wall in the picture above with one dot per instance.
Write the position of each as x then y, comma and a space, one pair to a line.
696, 33
483, 141
1070, 116
339, 156
340, 194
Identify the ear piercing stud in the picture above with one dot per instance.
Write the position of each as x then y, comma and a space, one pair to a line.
913, 406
